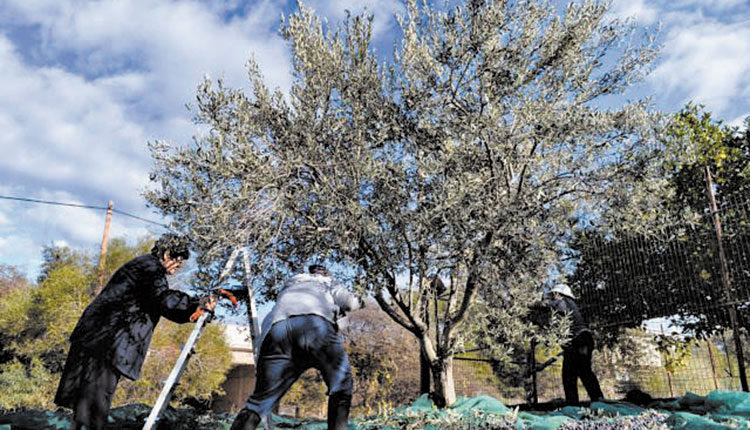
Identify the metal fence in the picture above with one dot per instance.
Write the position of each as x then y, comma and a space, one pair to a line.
669, 311
696, 276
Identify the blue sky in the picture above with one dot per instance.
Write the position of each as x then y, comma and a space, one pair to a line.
84, 85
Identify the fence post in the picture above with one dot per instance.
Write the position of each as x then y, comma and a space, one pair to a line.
667, 356
713, 362
726, 282
534, 387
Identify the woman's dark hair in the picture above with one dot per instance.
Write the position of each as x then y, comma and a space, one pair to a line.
318, 269
178, 246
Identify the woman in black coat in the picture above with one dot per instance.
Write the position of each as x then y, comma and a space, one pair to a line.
113, 334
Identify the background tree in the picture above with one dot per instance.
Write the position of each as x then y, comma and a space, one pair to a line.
36, 321
701, 141
385, 360
11, 279
466, 156
626, 277
308, 395
56, 256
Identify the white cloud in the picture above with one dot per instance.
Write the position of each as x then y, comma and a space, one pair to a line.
62, 129
88, 84
739, 121
706, 63
31, 226
134, 66
704, 52
176, 42
22, 252
383, 12
639, 10
713, 5
76, 226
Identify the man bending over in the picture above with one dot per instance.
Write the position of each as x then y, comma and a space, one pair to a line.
301, 332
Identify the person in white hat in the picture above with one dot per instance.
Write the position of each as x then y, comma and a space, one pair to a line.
577, 351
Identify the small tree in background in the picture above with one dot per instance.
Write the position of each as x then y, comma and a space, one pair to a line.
308, 395
385, 361
37, 320
11, 279
469, 156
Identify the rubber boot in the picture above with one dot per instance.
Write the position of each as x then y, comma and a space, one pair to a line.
246, 420
338, 410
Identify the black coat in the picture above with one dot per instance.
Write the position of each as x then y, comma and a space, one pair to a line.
567, 306
117, 326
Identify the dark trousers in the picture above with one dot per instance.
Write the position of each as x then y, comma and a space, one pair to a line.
290, 348
86, 386
577, 364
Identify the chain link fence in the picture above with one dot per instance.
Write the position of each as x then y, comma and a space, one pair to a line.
669, 312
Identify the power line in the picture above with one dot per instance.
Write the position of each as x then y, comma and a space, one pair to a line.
76, 205
139, 218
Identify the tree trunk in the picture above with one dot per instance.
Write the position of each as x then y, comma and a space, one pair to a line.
530, 383
424, 360
444, 393
671, 385
443, 388
424, 372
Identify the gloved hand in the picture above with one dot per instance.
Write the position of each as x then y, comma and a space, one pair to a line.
208, 302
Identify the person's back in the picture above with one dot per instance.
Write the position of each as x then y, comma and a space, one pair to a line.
577, 351
299, 333
311, 294
565, 305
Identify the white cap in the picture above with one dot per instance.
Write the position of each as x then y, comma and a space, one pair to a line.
563, 289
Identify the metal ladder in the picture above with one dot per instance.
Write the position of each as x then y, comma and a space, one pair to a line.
188, 350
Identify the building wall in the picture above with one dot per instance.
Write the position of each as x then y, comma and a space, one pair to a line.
238, 387
241, 377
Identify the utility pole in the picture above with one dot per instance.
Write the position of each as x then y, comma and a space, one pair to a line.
103, 251
726, 281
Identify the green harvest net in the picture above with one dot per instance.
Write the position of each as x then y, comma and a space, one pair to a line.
717, 410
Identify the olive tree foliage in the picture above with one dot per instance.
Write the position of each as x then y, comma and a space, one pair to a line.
468, 155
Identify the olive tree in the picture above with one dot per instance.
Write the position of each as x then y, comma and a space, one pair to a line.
465, 157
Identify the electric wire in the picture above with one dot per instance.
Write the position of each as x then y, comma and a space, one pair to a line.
78, 205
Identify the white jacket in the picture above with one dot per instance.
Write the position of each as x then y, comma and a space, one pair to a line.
310, 294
